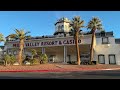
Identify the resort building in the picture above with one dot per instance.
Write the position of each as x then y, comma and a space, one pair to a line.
60, 47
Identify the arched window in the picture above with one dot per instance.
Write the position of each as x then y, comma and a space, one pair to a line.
59, 28
101, 59
62, 27
56, 28
112, 59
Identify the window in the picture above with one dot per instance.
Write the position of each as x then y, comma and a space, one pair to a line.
112, 59
68, 58
97, 34
101, 59
59, 28
103, 34
62, 28
85, 57
56, 28
51, 58
105, 40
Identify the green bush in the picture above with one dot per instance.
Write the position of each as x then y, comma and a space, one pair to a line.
93, 62
27, 58
72, 62
12, 59
9, 59
34, 61
44, 58
33, 52
2, 62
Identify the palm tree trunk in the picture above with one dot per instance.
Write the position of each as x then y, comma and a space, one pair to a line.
5, 63
20, 51
32, 56
92, 44
77, 48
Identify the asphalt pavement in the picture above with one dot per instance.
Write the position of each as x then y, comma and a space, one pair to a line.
103, 74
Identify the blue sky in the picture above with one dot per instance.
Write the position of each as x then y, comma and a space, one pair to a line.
42, 22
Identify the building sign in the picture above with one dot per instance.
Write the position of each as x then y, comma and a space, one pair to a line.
48, 43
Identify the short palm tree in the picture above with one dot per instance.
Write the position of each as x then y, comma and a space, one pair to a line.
34, 52
21, 35
93, 25
76, 24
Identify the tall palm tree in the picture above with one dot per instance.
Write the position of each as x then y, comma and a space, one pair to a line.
76, 24
21, 35
1, 37
93, 25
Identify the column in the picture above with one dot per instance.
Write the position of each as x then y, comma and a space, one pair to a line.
65, 53
43, 50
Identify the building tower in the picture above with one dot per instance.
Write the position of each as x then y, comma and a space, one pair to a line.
62, 27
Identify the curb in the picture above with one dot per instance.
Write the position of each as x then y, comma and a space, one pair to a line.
111, 69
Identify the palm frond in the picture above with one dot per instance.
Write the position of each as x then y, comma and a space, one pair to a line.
27, 32
17, 31
77, 23
12, 36
28, 37
95, 24
19, 34
1, 37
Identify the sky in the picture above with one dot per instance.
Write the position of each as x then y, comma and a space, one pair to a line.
42, 22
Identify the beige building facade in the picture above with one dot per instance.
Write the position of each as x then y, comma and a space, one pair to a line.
60, 47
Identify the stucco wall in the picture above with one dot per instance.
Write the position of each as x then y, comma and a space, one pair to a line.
106, 50
110, 39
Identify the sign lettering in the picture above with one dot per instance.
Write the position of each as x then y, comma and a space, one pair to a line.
48, 43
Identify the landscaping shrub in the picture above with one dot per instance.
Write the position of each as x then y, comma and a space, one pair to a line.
72, 62
93, 62
7, 59
34, 52
12, 59
34, 61
27, 58
44, 58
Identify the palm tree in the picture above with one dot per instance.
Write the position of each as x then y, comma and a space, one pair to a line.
76, 24
21, 35
1, 37
2, 40
93, 25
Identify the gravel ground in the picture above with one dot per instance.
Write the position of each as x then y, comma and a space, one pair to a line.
56, 67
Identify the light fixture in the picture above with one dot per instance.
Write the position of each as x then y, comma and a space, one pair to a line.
108, 45
4, 52
15, 52
10, 52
